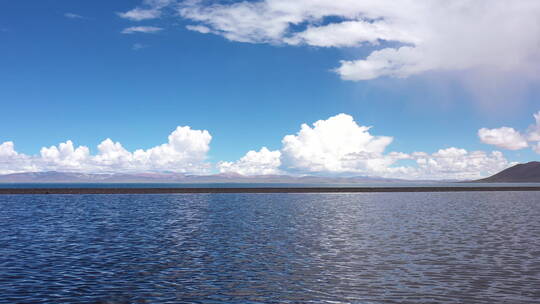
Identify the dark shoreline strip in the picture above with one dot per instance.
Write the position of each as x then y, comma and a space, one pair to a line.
255, 190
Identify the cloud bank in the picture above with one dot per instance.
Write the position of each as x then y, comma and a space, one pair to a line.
410, 36
339, 145
509, 138
185, 151
335, 146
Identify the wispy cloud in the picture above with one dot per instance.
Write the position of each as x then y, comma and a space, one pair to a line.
138, 46
431, 35
150, 9
141, 29
73, 16
139, 14
485, 44
199, 28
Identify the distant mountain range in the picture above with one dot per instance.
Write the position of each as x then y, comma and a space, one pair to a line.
67, 177
522, 173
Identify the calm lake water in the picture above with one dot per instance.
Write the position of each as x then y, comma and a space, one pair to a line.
481, 247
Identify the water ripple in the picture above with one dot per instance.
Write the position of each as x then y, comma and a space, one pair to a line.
271, 248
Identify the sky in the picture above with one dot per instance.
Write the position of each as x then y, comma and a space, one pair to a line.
390, 88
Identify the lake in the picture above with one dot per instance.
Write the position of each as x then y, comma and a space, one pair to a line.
459, 247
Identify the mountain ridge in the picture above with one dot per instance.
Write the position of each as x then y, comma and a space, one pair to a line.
520, 173
73, 177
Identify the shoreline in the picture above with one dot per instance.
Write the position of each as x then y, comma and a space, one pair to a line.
7, 191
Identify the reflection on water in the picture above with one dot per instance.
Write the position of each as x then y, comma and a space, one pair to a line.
271, 248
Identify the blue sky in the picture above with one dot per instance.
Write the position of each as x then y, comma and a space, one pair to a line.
69, 73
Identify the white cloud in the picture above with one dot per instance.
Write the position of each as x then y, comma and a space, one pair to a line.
348, 34
11, 161
260, 162
401, 62
151, 9
504, 137
533, 134
138, 46
338, 145
501, 35
141, 29
536, 147
455, 163
73, 16
65, 156
198, 28
138, 14
7, 149
508, 138
185, 151
113, 154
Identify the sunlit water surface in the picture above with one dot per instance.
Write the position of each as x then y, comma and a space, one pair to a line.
481, 247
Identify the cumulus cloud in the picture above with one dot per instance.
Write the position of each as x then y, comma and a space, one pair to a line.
336, 144
509, 138
339, 145
262, 162
501, 35
141, 29
185, 151
113, 155
65, 155
7, 149
504, 137
455, 163
11, 161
